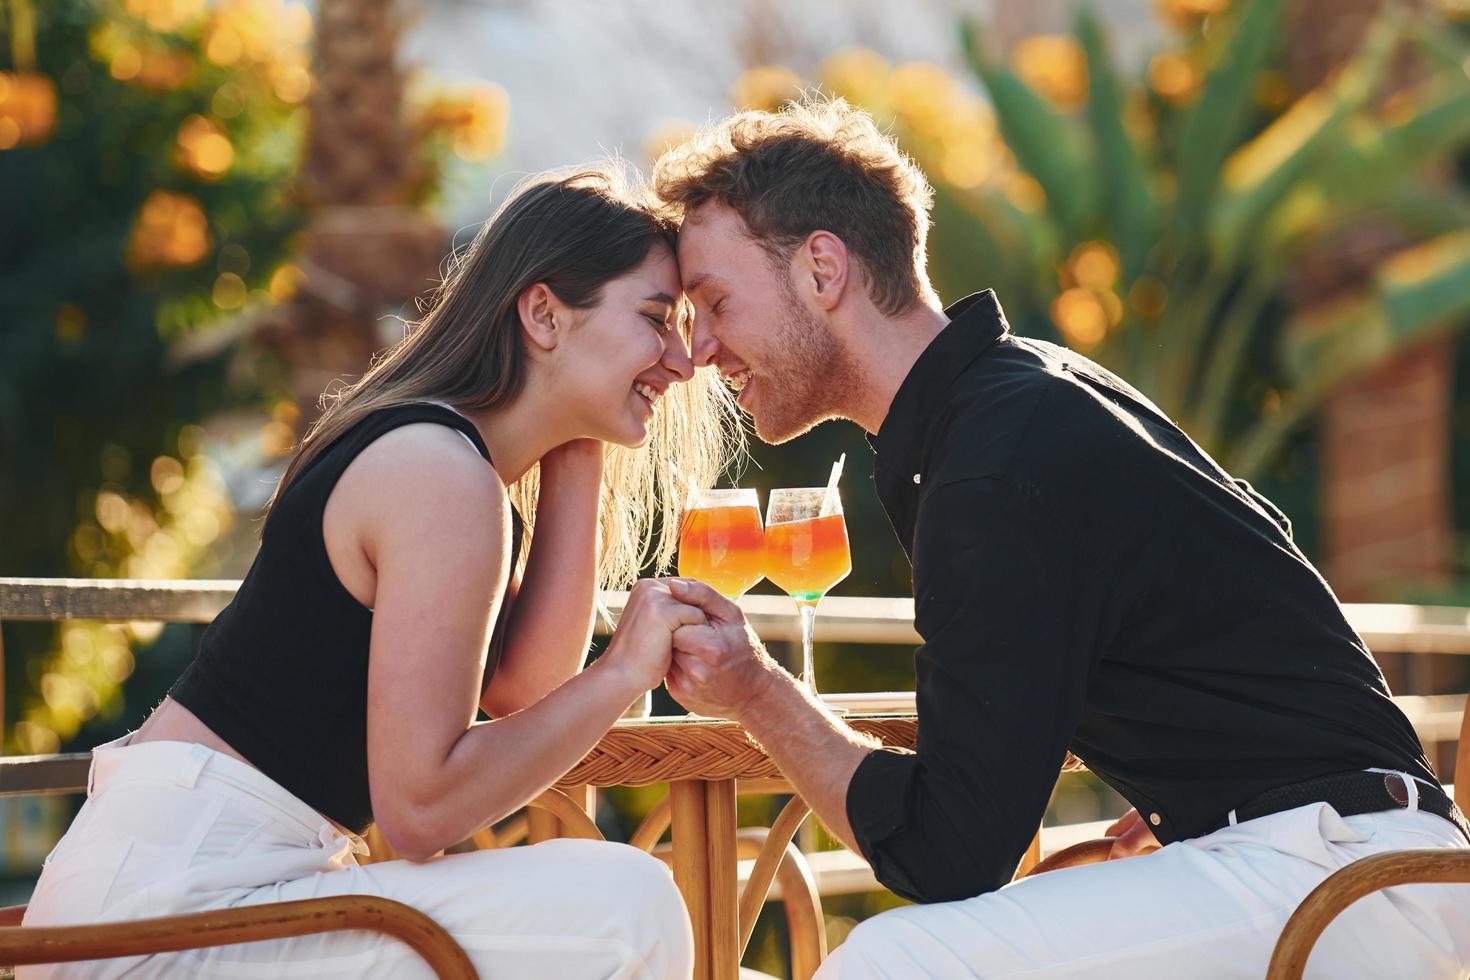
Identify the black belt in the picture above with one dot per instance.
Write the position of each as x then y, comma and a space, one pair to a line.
1349, 793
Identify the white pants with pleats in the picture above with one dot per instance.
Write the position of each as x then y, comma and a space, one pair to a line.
1212, 907
173, 827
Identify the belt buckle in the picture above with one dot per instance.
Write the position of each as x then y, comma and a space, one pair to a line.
1393, 784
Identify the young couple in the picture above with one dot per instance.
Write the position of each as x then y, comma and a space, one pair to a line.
1085, 577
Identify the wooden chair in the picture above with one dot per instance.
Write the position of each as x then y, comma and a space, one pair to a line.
776, 860
1087, 852
222, 927
278, 920
1346, 885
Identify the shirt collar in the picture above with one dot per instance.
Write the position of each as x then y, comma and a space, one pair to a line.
975, 324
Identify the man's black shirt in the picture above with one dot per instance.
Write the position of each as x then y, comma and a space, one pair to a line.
1086, 577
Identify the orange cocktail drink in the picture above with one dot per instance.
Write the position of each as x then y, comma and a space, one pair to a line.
807, 554
807, 557
721, 542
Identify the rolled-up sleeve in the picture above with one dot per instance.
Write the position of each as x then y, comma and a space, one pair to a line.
1009, 616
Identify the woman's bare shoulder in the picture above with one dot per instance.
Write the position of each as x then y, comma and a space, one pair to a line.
417, 476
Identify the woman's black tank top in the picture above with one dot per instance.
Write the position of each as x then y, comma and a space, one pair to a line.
281, 673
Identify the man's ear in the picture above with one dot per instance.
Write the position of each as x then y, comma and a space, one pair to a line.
543, 316
825, 268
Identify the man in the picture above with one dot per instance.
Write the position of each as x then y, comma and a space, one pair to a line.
1085, 577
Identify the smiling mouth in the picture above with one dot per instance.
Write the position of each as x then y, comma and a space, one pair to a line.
739, 379
647, 392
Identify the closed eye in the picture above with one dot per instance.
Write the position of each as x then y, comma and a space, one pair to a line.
657, 321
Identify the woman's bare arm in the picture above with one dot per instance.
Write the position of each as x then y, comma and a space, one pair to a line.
550, 626
435, 528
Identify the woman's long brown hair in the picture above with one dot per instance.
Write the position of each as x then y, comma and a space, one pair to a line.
575, 233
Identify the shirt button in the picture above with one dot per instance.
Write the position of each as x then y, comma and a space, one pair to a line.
917, 478
1155, 819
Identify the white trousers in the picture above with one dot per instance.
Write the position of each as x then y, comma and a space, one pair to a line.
174, 827
1204, 908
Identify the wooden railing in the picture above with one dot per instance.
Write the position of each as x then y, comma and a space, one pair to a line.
1386, 628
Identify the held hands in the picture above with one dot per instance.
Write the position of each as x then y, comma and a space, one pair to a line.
1134, 836
641, 648
719, 666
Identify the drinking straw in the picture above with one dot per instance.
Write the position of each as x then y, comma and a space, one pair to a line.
829, 499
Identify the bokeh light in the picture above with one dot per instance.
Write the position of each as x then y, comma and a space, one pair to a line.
171, 230
1055, 66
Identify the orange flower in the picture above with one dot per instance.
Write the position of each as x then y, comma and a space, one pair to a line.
1055, 66
1182, 14
203, 148
171, 230
765, 87
27, 109
1081, 317
858, 75
1174, 77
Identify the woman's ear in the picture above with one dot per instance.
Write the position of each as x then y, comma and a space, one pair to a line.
543, 316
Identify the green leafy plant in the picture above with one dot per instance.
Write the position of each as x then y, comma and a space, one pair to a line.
1198, 214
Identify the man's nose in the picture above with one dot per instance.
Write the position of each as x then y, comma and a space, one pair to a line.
702, 346
676, 358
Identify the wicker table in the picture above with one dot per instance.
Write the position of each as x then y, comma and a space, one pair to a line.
701, 759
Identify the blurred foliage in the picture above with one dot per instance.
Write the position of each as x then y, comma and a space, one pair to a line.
147, 207
1165, 233
148, 150
1154, 223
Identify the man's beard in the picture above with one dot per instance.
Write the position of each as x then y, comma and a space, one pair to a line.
808, 379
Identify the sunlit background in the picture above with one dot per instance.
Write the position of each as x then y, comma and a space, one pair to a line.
1256, 211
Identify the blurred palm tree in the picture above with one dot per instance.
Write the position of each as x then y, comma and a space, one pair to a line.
1200, 230
374, 158
1154, 224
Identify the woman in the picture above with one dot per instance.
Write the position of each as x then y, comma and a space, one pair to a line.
388, 603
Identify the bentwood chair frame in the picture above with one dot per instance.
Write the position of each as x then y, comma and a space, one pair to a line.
275, 920
1346, 885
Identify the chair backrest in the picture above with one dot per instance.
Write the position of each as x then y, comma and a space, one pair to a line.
10, 915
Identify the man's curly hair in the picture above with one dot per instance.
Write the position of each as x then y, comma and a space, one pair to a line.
814, 165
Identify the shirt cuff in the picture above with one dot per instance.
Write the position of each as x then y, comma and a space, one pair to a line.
877, 796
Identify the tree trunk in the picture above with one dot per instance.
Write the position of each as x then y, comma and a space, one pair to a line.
367, 250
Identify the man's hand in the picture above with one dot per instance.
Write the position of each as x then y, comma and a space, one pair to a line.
720, 668
640, 648
1134, 836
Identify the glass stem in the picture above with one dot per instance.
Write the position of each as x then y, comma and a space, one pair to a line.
808, 610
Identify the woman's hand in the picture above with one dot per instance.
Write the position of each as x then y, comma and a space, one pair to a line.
642, 646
